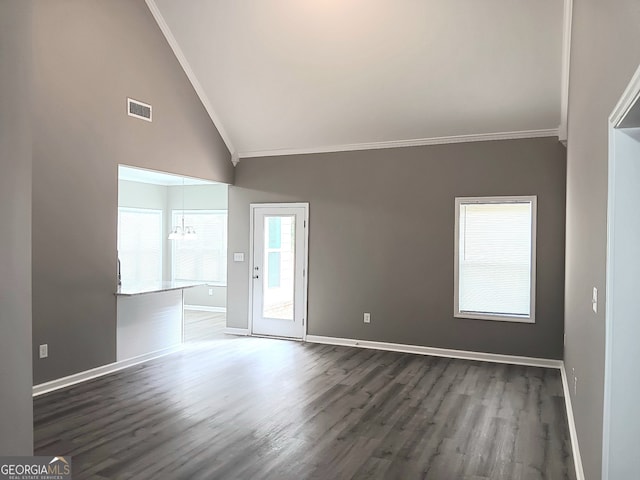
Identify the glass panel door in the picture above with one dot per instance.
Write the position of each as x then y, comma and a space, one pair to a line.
278, 270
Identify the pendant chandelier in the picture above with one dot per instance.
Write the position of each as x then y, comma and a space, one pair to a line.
182, 231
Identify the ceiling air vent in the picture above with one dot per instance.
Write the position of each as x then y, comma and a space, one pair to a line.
138, 109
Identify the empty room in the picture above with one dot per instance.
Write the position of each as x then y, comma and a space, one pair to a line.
319, 239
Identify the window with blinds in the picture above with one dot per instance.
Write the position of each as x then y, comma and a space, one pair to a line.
495, 258
140, 238
203, 259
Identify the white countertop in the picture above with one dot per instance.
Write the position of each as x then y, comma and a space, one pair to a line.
130, 289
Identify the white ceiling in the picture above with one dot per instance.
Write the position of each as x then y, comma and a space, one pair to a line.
134, 174
319, 74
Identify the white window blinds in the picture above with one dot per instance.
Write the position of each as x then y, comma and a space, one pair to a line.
495, 258
140, 239
203, 259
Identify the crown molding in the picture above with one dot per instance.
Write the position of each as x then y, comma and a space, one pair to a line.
628, 99
173, 43
418, 142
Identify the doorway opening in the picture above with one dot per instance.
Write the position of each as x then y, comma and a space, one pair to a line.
172, 231
622, 360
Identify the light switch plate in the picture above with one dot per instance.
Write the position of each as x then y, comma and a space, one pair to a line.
594, 300
238, 257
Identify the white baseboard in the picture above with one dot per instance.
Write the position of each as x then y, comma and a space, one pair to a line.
80, 377
236, 331
577, 459
438, 352
202, 308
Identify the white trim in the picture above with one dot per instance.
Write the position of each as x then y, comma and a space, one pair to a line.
531, 318
305, 280
482, 137
203, 308
276, 337
80, 377
135, 115
182, 336
305, 275
577, 459
438, 352
609, 285
281, 205
236, 331
250, 273
627, 100
173, 43
566, 68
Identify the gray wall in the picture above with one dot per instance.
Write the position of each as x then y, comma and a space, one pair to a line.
16, 408
604, 55
382, 239
89, 55
199, 297
142, 195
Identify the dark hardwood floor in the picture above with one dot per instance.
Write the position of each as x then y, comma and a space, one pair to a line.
255, 408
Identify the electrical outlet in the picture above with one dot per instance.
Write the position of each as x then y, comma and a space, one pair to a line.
211, 291
44, 350
367, 318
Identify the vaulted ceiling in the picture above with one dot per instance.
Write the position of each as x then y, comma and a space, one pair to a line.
322, 75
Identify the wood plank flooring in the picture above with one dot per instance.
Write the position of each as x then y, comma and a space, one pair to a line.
255, 408
203, 326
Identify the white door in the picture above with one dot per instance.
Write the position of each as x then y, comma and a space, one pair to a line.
278, 269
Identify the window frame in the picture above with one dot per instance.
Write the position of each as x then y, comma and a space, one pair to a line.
531, 318
195, 211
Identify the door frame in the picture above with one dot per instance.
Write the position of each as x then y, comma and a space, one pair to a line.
628, 100
305, 278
